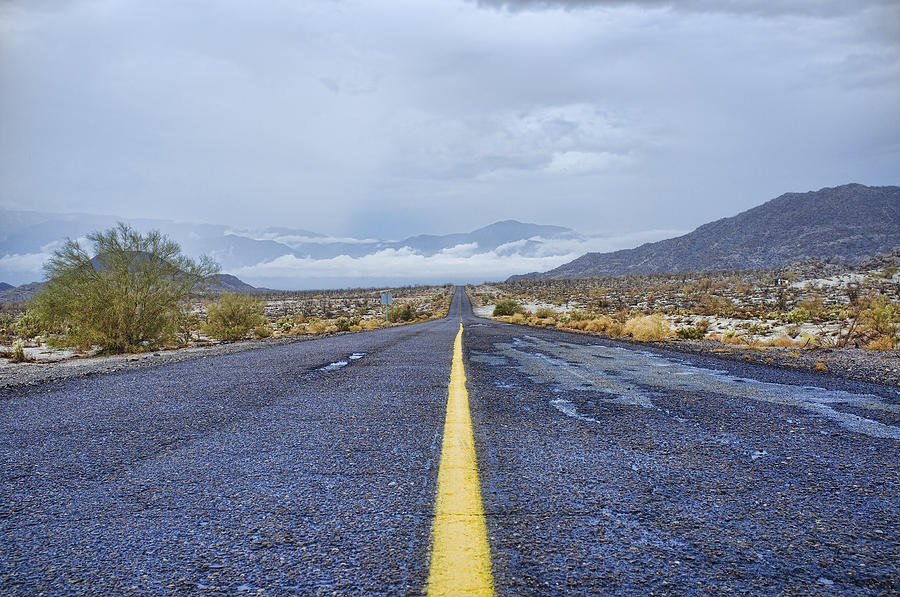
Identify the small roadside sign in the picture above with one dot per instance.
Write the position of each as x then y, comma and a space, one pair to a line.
387, 299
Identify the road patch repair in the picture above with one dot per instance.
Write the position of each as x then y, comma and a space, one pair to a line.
631, 377
460, 557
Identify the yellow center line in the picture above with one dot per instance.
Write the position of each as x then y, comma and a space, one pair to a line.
460, 556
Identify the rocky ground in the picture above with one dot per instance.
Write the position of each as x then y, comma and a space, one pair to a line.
815, 311
875, 366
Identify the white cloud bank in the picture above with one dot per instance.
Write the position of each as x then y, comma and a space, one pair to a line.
459, 264
449, 265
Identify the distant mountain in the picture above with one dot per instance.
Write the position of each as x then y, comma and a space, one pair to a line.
849, 222
27, 239
488, 238
18, 294
229, 283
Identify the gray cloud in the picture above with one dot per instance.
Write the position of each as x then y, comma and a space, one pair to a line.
817, 8
398, 117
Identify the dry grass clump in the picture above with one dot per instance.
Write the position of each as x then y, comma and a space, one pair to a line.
316, 326
784, 341
648, 328
881, 343
732, 338
599, 325
371, 324
264, 330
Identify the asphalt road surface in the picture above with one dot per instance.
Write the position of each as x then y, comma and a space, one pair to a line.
311, 468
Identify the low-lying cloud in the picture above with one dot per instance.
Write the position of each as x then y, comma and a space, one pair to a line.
461, 263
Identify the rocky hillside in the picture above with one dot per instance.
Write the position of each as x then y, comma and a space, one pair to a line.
849, 222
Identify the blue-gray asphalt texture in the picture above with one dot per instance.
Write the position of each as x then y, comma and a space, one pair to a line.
269, 472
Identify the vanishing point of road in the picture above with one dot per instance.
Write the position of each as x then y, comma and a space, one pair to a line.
497, 457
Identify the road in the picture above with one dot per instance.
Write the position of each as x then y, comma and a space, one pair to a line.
312, 468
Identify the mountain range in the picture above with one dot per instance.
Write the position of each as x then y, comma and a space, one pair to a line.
292, 257
850, 223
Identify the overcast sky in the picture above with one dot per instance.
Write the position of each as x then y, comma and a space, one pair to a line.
389, 118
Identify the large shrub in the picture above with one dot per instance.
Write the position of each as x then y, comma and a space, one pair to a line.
233, 316
882, 316
128, 296
508, 307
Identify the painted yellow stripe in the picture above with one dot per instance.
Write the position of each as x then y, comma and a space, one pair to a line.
460, 557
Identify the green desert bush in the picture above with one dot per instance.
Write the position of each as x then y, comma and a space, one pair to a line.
544, 313
284, 324
233, 316
576, 315
343, 324
406, 312
696, 332
798, 316
882, 316
316, 326
28, 325
815, 306
7, 327
128, 296
18, 352
508, 307
690, 333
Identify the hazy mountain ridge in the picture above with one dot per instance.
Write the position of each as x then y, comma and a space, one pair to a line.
850, 222
28, 238
17, 294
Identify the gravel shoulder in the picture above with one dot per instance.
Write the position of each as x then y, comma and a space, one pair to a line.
39, 372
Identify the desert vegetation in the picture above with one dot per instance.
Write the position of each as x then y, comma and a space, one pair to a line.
233, 316
807, 305
130, 294
302, 312
138, 293
207, 318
